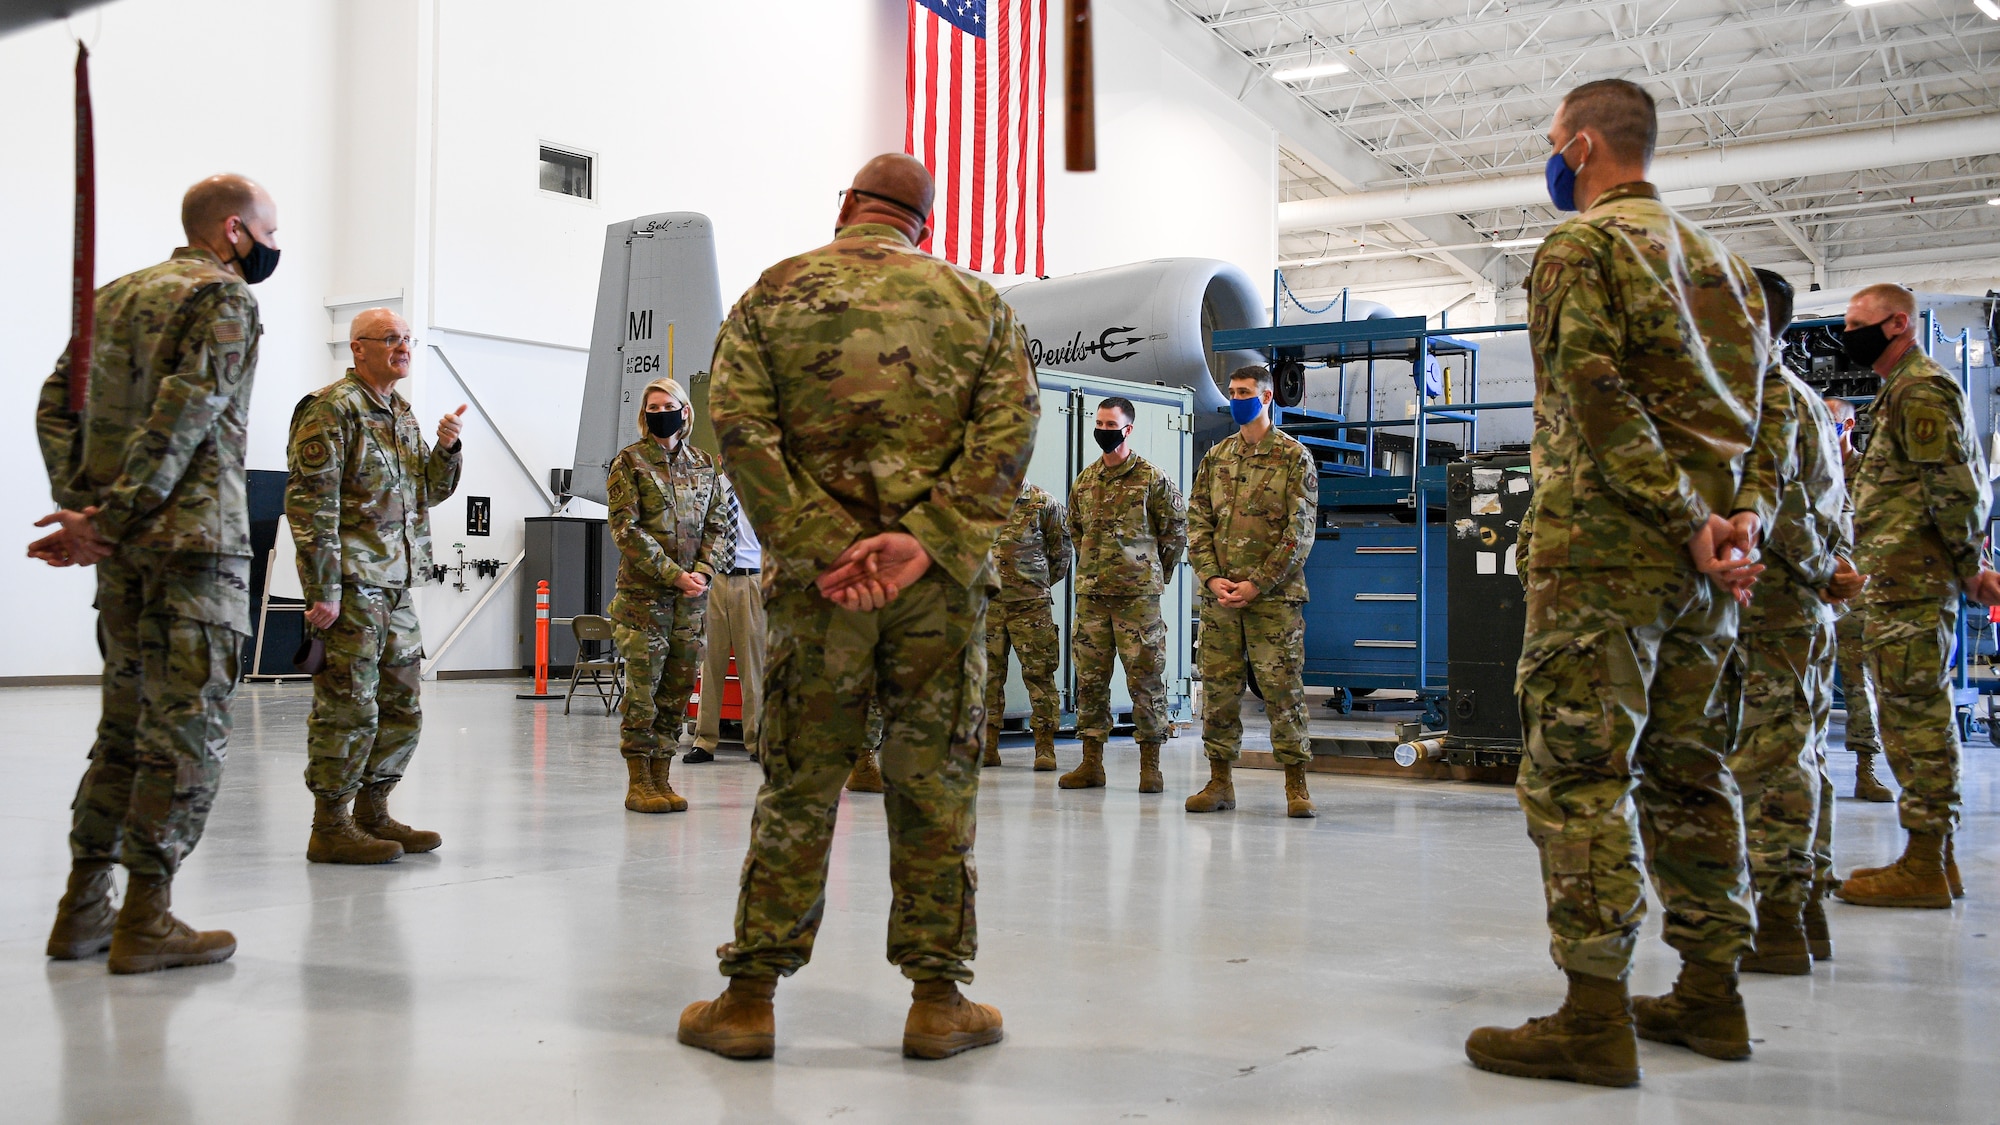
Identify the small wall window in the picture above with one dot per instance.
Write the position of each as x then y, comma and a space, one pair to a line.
566, 173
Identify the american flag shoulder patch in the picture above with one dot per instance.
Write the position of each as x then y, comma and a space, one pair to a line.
228, 331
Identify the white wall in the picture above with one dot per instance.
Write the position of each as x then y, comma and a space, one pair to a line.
399, 138
163, 120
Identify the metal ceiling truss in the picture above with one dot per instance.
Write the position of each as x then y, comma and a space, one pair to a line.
1446, 90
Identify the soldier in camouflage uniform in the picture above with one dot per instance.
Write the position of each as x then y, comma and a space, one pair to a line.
1031, 555
1921, 504
876, 411
1783, 673
1857, 692
150, 485
1251, 519
358, 500
1129, 525
1642, 456
676, 530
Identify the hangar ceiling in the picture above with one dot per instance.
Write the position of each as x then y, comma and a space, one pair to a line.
1444, 91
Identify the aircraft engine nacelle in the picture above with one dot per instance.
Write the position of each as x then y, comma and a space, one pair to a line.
1147, 322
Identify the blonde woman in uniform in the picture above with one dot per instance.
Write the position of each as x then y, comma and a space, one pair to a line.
671, 521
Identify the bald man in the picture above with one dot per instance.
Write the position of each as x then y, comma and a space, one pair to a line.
150, 483
876, 410
1921, 504
358, 500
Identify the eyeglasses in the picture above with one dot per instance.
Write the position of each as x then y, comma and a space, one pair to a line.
896, 203
391, 342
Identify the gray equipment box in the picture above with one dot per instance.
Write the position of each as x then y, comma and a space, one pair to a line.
578, 560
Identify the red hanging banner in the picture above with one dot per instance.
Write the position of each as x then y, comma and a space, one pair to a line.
83, 263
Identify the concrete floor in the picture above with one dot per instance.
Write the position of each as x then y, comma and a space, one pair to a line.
1239, 967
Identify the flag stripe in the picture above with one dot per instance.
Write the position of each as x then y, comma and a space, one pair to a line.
1004, 56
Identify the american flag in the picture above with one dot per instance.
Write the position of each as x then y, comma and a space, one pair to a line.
974, 87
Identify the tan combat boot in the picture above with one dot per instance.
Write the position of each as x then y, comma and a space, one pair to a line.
942, 1023
1704, 1013
1589, 1039
641, 795
85, 915
1150, 780
738, 1024
1781, 941
1819, 936
866, 776
1089, 773
371, 815
148, 938
1917, 880
660, 766
1219, 795
1045, 750
992, 756
1298, 801
337, 839
1867, 786
1951, 878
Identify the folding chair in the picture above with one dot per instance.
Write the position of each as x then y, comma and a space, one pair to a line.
607, 673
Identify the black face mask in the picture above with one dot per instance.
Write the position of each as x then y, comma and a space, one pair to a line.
1108, 440
664, 423
260, 263
1866, 344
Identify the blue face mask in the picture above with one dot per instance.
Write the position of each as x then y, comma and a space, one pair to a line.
1245, 410
1561, 178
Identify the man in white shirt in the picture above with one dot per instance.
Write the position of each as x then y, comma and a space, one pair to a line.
735, 624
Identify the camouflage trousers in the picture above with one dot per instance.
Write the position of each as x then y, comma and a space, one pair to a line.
1909, 647
366, 712
172, 625
1856, 689
1029, 627
1784, 698
1131, 629
1625, 730
923, 657
661, 641
1268, 637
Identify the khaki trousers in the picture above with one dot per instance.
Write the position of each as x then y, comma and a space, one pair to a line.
735, 624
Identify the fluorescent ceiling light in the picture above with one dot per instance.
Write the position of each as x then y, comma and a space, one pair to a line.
1995, 202
1301, 73
1515, 243
1688, 197
1867, 3
1991, 9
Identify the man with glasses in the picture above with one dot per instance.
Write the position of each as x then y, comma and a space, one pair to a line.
1921, 504
876, 410
359, 498
149, 475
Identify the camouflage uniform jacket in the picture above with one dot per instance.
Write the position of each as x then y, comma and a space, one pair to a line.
159, 448
362, 485
1252, 515
669, 514
1650, 349
1032, 553
867, 387
1130, 528
1811, 529
1920, 497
